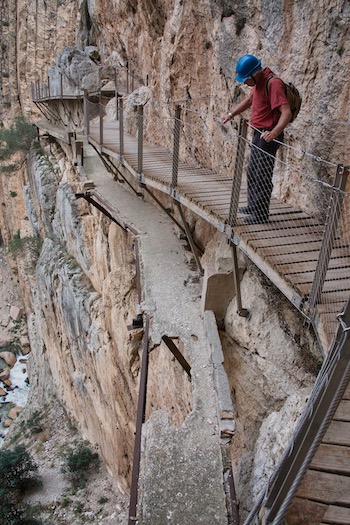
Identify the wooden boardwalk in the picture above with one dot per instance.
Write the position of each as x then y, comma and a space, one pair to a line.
323, 496
286, 249
287, 253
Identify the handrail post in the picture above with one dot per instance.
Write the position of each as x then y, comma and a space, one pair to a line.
127, 78
176, 148
86, 114
238, 170
331, 226
116, 94
141, 410
236, 188
140, 140
121, 127
61, 84
100, 109
48, 86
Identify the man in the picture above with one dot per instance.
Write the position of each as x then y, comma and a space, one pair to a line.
270, 113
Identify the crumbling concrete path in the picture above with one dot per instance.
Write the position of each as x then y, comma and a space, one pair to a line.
182, 467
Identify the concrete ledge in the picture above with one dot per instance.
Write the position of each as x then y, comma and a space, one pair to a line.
221, 384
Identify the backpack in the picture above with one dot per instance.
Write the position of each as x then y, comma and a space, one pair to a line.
292, 94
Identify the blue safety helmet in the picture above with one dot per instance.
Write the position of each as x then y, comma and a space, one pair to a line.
246, 66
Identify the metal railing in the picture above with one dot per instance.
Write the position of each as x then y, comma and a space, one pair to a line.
331, 383
305, 238
58, 85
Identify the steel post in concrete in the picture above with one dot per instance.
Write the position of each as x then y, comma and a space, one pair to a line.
333, 216
238, 170
140, 140
176, 147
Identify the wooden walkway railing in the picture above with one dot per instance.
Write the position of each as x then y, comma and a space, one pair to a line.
307, 256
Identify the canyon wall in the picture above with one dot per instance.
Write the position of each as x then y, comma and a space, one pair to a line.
81, 295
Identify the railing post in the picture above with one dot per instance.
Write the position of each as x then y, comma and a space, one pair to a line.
121, 127
48, 86
61, 84
140, 140
100, 109
86, 114
116, 94
236, 188
331, 226
127, 78
238, 170
176, 148
141, 410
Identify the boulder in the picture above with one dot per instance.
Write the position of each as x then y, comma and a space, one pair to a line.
4, 374
13, 412
9, 358
16, 313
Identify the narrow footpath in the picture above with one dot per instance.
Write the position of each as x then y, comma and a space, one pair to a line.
182, 467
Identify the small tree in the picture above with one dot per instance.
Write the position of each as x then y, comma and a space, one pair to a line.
17, 474
17, 138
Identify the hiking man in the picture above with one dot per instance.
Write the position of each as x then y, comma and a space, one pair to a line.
270, 113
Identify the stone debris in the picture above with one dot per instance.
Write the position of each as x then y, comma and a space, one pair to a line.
16, 313
9, 358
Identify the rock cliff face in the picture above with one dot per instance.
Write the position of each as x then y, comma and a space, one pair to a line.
82, 295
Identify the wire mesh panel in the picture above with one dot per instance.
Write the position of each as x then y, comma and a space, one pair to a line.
279, 201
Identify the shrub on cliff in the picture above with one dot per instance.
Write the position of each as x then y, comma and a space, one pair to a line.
78, 461
17, 138
17, 474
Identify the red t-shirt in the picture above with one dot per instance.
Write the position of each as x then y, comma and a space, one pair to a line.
264, 110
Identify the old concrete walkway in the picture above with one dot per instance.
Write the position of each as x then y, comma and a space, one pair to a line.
182, 479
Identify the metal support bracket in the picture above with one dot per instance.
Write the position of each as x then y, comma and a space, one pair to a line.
177, 354
242, 312
190, 238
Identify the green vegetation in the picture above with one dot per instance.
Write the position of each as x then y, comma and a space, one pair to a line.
21, 245
78, 462
17, 138
17, 474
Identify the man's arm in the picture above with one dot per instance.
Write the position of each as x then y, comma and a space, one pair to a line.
284, 119
242, 106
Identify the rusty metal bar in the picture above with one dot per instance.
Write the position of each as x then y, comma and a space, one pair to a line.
189, 238
176, 147
333, 216
233, 498
177, 354
103, 210
141, 409
242, 312
238, 170
100, 109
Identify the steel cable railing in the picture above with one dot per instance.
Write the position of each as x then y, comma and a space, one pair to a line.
303, 235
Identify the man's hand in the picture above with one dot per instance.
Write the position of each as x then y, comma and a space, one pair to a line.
268, 136
226, 118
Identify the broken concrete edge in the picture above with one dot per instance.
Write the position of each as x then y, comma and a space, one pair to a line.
221, 383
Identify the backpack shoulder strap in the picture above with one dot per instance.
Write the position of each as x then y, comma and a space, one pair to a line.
267, 84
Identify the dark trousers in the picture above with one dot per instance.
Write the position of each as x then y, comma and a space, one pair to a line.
259, 174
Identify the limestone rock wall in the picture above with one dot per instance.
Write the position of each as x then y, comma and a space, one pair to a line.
83, 299
84, 294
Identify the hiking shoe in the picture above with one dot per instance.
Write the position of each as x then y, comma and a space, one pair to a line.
253, 219
245, 209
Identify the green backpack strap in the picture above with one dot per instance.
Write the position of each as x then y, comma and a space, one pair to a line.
267, 84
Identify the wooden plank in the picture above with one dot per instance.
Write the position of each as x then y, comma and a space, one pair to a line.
338, 433
336, 514
343, 413
305, 512
333, 489
332, 458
